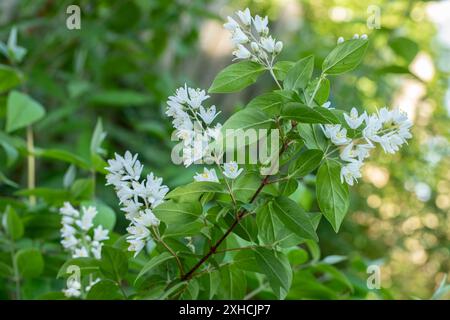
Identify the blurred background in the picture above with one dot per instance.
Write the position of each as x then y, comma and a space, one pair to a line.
129, 56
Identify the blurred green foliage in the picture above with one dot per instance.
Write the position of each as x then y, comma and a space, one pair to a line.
130, 55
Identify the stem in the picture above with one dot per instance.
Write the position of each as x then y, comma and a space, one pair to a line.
180, 265
322, 76
236, 221
275, 78
16, 270
31, 164
256, 291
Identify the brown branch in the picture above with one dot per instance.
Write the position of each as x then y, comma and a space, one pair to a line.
236, 221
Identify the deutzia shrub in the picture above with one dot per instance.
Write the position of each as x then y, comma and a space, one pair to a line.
235, 222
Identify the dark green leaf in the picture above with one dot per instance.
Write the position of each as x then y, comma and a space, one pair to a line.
345, 57
298, 76
305, 163
22, 111
294, 217
304, 114
236, 77
332, 195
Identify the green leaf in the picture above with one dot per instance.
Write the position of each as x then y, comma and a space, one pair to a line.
22, 111
332, 195
85, 265
305, 163
171, 212
9, 78
236, 77
153, 263
312, 136
97, 138
5, 270
13, 224
270, 103
120, 98
294, 217
322, 93
114, 263
29, 262
345, 57
11, 153
233, 283
276, 267
281, 68
304, 114
105, 290
248, 119
194, 190
405, 48
246, 228
299, 75
65, 156
268, 225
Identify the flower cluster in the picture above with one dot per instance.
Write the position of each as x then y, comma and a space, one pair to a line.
355, 36
76, 232
252, 40
74, 288
137, 198
82, 240
230, 170
388, 128
193, 123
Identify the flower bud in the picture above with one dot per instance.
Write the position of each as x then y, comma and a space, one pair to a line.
278, 47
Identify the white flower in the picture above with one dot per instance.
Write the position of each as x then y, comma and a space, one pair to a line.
260, 24
373, 125
215, 132
80, 253
241, 52
350, 172
196, 97
73, 289
353, 120
231, 25
208, 115
86, 221
362, 151
245, 17
364, 36
355, 36
278, 47
340, 40
101, 234
337, 134
268, 44
68, 210
327, 105
147, 218
207, 175
138, 231
97, 251
239, 37
136, 245
69, 242
231, 170
348, 153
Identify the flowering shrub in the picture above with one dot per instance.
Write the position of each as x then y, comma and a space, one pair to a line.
242, 217
236, 221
